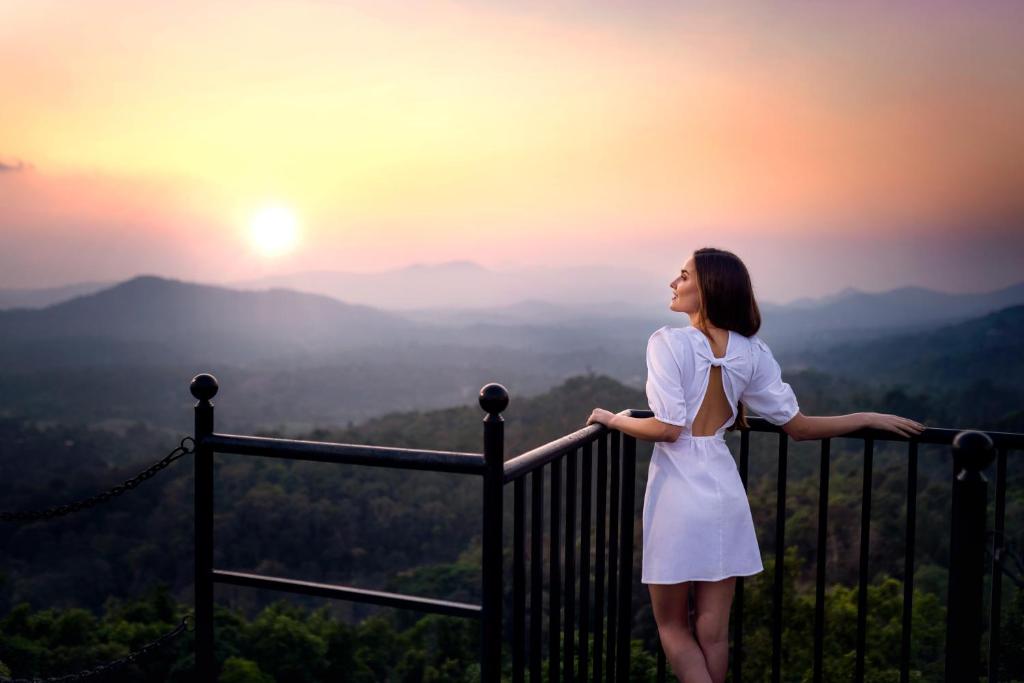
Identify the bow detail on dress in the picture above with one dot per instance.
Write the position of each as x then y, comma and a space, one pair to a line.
733, 351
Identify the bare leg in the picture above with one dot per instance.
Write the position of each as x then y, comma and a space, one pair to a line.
669, 602
713, 600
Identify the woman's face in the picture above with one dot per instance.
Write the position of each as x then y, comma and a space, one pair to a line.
685, 296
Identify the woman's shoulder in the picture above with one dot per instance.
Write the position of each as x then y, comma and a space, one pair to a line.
673, 341
758, 344
671, 335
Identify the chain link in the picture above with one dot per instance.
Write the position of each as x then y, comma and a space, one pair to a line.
186, 447
103, 669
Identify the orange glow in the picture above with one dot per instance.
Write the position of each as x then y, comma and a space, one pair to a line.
451, 118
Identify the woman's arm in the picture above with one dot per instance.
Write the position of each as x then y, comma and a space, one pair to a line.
646, 428
808, 427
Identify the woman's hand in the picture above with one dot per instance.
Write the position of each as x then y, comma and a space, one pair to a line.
601, 416
894, 423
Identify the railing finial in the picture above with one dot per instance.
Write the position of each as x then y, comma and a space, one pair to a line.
204, 386
973, 451
493, 398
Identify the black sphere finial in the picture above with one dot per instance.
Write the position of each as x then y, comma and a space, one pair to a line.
204, 386
973, 450
494, 398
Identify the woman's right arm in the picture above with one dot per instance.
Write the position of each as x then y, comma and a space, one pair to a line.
808, 427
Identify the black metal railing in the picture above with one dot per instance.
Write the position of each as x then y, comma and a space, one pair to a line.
973, 451
588, 587
576, 609
493, 398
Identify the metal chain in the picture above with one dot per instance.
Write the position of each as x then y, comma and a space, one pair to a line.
102, 669
186, 447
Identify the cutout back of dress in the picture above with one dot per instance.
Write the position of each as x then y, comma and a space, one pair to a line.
715, 411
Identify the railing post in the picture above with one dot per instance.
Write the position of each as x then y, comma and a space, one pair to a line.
972, 452
204, 387
494, 400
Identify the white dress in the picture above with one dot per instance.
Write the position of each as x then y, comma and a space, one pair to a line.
696, 517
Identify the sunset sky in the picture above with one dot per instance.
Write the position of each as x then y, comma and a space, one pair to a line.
865, 144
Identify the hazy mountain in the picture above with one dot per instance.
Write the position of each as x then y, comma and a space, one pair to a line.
810, 302
463, 284
532, 312
296, 359
464, 293
150, 319
853, 315
981, 349
47, 296
596, 299
283, 357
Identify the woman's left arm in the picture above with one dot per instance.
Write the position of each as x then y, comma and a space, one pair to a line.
646, 428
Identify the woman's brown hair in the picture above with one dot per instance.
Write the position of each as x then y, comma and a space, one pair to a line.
726, 300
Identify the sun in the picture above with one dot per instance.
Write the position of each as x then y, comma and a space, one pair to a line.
274, 230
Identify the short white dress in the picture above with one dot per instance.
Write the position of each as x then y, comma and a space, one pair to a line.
696, 517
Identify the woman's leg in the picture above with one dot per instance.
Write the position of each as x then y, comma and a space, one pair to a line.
671, 612
713, 600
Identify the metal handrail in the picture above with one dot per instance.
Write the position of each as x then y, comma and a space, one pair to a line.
352, 454
525, 463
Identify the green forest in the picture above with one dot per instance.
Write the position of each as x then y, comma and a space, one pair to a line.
91, 587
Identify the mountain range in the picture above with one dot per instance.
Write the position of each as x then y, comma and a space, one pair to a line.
466, 290
297, 359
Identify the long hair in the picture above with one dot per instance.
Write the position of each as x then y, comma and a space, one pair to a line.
726, 300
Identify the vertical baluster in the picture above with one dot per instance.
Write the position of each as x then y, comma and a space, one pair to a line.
568, 666
602, 485
737, 636
536, 571
819, 583
518, 581
613, 556
865, 532
626, 524
585, 560
554, 573
780, 550
997, 568
908, 562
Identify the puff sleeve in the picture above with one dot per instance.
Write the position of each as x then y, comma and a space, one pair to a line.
767, 394
664, 381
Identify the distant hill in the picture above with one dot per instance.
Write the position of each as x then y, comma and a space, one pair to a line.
985, 348
284, 358
47, 296
605, 305
854, 315
294, 359
464, 284
810, 302
608, 299
151, 319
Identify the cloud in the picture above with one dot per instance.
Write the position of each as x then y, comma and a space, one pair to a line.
14, 166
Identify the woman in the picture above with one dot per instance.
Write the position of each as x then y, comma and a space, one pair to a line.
697, 527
